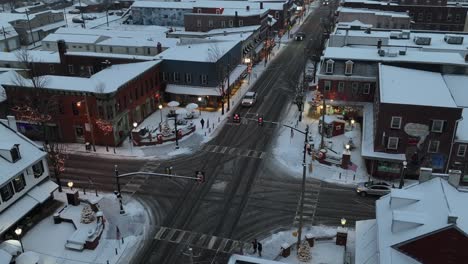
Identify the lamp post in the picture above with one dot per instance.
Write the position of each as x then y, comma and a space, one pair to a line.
70, 185
18, 232
347, 148
91, 129
343, 222
135, 124
402, 175
176, 132
352, 124
199, 108
118, 193
160, 111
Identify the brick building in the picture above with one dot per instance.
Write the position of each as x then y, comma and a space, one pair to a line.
422, 223
376, 18
119, 95
427, 15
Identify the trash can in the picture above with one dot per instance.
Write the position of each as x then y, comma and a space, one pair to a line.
285, 250
88, 146
57, 219
310, 239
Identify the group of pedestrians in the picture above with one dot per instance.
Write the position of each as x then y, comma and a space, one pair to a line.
257, 246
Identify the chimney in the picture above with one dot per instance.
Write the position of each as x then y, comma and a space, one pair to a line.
12, 122
236, 19
454, 177
425, 174
379, 44
247, 8
62, 49
261, 5
159, 47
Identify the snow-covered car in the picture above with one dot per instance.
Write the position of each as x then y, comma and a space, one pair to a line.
119, 13
77, 20
89, 17
373, 188
74, 11
249, 99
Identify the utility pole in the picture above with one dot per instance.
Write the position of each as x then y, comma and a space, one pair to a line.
30, 30
81, 12
119, 194
304, 172
176, 132
228, 87
91, 130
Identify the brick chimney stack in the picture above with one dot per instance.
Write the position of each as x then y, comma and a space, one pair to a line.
62, 49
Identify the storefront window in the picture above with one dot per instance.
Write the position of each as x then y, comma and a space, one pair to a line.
384, 166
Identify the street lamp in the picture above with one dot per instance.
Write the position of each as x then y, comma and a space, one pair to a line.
352, 123
70, 185
118, 193
160, 111
91, 128
199, 107
402, 175
18, 232
343, 222
135, 124
347, 148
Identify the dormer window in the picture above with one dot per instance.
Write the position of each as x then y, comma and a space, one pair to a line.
349, 67
199, 10
15, 154
38, 169
329, 67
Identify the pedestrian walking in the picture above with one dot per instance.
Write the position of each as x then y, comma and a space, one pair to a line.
207, 123
259, 247
202, 122
254, 245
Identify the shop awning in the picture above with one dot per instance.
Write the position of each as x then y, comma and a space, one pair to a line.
192, 90
15, 212
42, 191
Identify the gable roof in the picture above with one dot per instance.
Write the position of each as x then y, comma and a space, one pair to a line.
29, 151
413, 87
438, 200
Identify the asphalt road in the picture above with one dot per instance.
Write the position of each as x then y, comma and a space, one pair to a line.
246, 194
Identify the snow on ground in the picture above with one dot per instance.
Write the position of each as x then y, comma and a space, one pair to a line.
324, 251
132, 227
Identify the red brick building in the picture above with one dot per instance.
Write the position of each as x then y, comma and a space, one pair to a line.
118, 95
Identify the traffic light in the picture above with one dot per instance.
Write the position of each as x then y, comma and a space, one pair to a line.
260, 120
200, 176
236, 118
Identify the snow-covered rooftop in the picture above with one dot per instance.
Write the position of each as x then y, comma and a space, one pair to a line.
197, 52
370, 2
458, 87
413, 87
35, 55
437, 39
208, 4
438, 200
29, 151
462, 129
135, 37
109, 55
367, 242
372, 11
110, 79
412, 55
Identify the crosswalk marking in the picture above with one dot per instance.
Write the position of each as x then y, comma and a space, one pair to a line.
199, 240
310, 204
234, 151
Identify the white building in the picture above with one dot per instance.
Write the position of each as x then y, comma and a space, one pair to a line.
24, 177
421, 223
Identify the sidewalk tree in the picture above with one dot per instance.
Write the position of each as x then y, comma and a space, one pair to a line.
106, 128
221, 70
56, 156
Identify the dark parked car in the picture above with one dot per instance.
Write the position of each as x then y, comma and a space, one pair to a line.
300, 36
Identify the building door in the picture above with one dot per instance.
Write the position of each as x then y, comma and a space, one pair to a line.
79, 134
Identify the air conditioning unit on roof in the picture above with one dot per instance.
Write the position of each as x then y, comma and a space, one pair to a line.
422, 40
454, 39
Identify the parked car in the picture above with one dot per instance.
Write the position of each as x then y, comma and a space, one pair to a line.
77, 20
249, 99
325, 3
74, 11
300, 36
89, 17
373, 188
119, 13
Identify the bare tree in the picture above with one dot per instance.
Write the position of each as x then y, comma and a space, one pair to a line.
106, 128
214, 56
32, 107
56, 155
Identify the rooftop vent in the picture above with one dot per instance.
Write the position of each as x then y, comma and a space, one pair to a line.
381, 53
451, 219
453, 39
368, 31
247, 8
402, 52
422, 40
